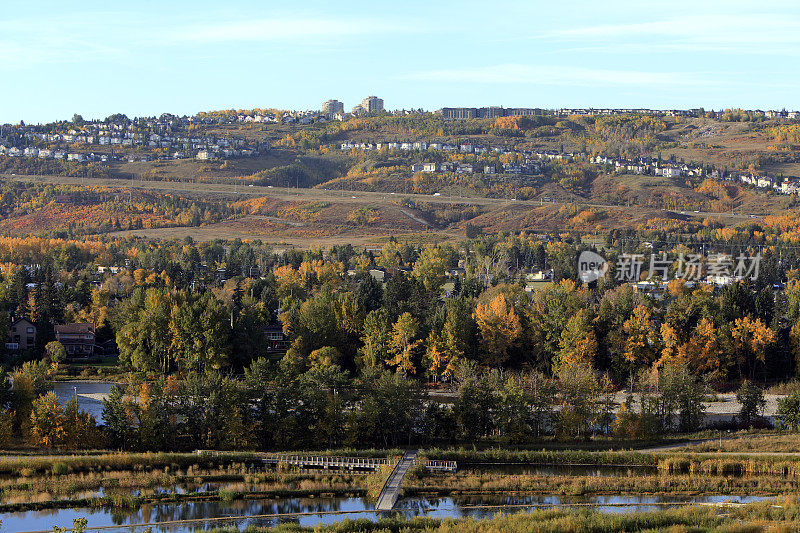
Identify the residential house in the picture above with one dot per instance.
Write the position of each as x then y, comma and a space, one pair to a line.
464, 169
21, 335
276, 341
78, 338
671, 172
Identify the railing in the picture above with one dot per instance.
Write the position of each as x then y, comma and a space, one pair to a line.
441, 466
388, 495
328, 461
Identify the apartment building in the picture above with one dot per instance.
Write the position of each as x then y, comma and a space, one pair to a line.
331, 107
371, 104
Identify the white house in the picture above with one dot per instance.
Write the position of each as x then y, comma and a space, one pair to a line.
670, 172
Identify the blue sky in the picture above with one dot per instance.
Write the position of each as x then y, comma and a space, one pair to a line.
149, 57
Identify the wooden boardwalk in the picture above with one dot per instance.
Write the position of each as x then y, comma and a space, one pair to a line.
331, 461
311, 461
326, 461
391, 489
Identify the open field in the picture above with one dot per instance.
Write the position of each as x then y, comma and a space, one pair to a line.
354, 197
280, 215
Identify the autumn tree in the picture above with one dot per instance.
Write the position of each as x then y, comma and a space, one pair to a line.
703, 351
431, 267
750, 339
578, 340
639, 329
403, 344
499, 327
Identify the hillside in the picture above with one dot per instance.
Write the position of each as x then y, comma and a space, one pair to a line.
533, 187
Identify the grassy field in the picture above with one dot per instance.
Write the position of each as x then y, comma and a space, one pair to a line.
778, 442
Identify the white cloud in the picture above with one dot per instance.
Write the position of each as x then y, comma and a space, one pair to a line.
555, 75
753, 33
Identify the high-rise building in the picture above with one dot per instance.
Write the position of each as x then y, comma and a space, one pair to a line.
372, 103
331, 107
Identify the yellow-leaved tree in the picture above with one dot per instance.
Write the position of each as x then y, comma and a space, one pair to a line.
500, 329
750, 339
404, 344
639, 341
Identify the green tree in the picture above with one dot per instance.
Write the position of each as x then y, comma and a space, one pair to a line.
788, 413
581, 390
142, 324
549, 314
55, 351
751, 398
199, 332
375, 339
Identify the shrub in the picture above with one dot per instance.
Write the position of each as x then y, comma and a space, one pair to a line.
788, 413
59, 469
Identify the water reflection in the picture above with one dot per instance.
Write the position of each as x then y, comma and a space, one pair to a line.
314, 510
90, 394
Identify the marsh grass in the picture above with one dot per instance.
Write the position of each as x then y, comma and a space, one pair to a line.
26, 465
240, 478
542, 457
633, 483
774, 442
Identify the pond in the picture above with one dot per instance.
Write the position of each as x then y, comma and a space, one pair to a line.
90, 395
314, 511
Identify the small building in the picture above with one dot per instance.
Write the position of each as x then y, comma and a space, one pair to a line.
21, 335
276, 341
78, 338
